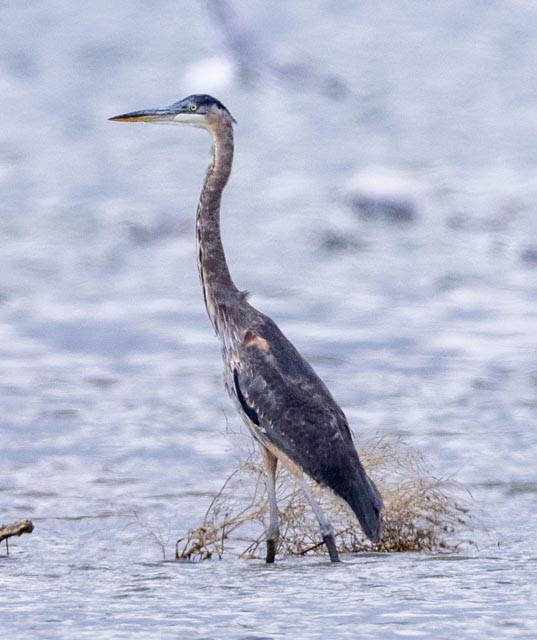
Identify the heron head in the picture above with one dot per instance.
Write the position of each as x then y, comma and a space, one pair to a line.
194, 111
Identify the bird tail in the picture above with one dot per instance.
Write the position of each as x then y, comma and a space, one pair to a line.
365, 500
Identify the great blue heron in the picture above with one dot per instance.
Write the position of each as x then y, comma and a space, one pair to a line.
286, 406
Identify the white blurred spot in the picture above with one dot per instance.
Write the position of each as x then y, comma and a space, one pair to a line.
384, 181
210, 75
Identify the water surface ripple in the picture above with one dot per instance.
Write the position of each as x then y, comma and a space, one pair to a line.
114, 423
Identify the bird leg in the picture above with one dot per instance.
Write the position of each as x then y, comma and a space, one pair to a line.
273, 533
327, 530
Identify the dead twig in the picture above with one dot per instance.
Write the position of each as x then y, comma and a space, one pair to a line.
419, 514
16, 529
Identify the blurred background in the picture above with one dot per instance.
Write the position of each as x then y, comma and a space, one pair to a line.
381, 210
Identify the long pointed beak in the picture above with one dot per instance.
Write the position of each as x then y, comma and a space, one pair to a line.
146, 115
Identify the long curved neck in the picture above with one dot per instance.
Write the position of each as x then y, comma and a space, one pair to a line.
218, 287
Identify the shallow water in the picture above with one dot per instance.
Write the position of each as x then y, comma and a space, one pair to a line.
114, 420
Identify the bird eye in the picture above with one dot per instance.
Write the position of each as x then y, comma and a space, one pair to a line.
193, 107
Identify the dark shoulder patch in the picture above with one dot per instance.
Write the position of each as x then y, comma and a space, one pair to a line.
249, 411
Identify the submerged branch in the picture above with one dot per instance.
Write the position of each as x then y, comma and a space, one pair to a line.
16, 529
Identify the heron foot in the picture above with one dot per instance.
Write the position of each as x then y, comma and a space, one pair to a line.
271, 551
331, 546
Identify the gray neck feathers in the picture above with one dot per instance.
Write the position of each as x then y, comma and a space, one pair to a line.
218, 287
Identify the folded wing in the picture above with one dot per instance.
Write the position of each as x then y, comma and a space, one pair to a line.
293, 411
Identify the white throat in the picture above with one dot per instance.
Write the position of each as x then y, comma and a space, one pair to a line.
190, 119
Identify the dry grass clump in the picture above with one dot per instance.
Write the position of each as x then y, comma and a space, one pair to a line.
419, 515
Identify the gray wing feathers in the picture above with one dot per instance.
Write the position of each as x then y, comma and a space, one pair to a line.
298, 415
